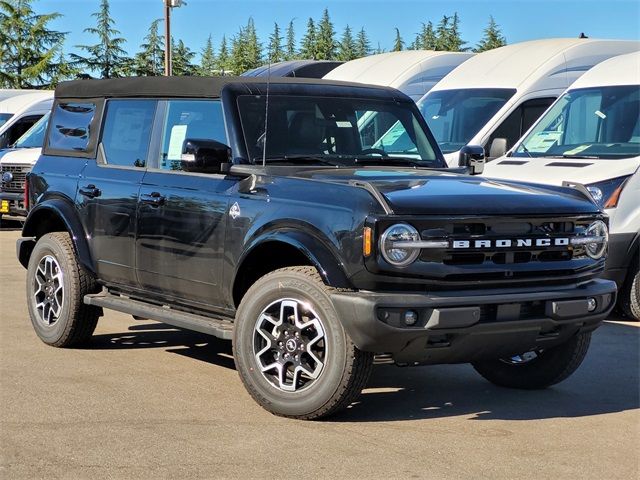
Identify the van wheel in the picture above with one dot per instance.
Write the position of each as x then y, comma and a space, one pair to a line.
56, 286
537, 369
291, 351
630, 294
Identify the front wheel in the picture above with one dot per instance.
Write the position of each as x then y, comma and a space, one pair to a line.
630, 293
291, 351
536, 369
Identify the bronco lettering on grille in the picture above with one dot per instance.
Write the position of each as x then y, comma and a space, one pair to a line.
507, 243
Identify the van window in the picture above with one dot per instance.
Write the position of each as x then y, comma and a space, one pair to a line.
520, 120
601, 122
189, 119
70, 126
34, 137
127, 132
15, 131
455, 116
4, 117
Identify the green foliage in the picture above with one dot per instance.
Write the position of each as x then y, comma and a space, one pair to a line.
208, 62
28, 49
492, 37
246, 50
223, 60
290, 48
275, 52
150, 60
347, 48
398, 43
181, 57
326, 44
363, 45
309, 47
107, 57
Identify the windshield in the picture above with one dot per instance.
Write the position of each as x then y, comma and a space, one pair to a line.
34, 137
4, 117
600, 122
455, 116
330, 130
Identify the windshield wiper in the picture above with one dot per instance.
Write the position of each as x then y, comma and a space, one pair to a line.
526, 150
592, 157
413, 162
300, 159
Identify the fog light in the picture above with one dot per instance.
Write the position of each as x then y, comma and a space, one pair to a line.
591, 304
410, 317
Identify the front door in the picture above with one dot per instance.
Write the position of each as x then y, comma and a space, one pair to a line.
182, 215
109, 186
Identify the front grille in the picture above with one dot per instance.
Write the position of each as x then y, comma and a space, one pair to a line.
19, 174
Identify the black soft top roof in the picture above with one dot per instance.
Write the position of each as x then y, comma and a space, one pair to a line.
209, 87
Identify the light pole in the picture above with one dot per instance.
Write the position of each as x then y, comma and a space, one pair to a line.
168, 5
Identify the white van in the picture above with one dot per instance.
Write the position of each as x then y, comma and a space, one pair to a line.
413, 72
493, 98
591, 137
14, 92
19, 113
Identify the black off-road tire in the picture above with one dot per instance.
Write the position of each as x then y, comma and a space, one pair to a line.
551, 366
76, 321
346, 369
630, 293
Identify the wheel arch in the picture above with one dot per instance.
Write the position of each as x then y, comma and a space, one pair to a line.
54, 215
286, 248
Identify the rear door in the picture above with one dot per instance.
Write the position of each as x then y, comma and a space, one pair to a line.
182, 215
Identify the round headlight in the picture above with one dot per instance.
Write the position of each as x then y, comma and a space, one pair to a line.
395, 254
596, 250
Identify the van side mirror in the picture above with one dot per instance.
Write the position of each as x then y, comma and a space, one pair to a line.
472, 158
205, 156
498, 148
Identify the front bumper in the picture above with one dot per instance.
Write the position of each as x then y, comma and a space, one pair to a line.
15, 203
464, 326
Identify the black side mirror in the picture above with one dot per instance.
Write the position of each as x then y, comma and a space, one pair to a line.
472, 158
497, 148
205, 156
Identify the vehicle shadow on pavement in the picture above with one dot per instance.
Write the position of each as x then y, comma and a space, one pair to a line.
606, 382
198, 346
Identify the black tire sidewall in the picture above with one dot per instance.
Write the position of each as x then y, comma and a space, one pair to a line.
320, 392
47, 245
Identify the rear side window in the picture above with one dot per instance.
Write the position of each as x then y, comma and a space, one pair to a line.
70, 126
127, 131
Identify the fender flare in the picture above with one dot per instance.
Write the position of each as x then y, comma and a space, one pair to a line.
319, 254
36, 226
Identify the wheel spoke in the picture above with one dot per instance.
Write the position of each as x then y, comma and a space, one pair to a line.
48, 290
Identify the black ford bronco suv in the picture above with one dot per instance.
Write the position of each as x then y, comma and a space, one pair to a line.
274, 215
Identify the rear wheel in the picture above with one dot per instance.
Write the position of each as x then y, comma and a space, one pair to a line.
536, 369
291, 351
56, 286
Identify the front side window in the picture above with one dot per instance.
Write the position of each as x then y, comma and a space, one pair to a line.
70, 126
34, 137
4, 117
600, 122
189, 120
332, 130
127, 131
455, 116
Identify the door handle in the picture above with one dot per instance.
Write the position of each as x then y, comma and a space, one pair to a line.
90, 191
154, 199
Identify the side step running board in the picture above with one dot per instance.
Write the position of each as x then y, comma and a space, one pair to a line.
212, 326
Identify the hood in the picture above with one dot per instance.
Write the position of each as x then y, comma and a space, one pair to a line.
23, 156
410, 191
553, 171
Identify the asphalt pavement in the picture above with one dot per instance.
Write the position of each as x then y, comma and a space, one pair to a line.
145, 400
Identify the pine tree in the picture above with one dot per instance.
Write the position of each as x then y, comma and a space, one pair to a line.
246, 51
442, 34
276, 53
379, 50
492, 37
181, 57
326, 46
208, 61
254, 47
28, 49
309, 47
428, 40
290, 48
63, 70
454, 41
398, 44
222, 63
107, 57
363, 45
347, 47
150, 60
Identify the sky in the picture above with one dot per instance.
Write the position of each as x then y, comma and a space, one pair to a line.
519, 20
